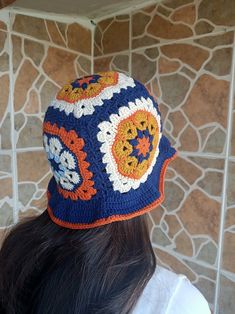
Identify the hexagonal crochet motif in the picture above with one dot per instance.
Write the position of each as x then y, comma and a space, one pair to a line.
130, 141
81, 96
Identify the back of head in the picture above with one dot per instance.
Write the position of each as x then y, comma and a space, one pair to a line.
90, 251
45, 268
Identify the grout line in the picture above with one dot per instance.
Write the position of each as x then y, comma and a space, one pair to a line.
11, 100
225, 182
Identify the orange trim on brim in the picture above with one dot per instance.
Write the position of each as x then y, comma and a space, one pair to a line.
104, 221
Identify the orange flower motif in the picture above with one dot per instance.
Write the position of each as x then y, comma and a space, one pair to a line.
143, 146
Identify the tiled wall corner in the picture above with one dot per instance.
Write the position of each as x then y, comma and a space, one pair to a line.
6, 171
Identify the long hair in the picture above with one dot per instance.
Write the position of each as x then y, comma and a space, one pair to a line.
45, 268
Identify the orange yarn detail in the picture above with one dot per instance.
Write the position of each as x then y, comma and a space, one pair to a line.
143, 146
75, 144
72, 95
121, 149
114, 218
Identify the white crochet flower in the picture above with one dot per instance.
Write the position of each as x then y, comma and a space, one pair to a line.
55, 146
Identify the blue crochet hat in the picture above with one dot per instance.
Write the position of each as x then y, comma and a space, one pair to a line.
103, 138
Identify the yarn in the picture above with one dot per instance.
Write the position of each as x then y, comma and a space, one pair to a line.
103, 138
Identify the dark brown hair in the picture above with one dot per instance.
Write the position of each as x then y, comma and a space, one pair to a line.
45, 268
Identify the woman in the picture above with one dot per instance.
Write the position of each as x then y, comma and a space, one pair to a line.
90, 251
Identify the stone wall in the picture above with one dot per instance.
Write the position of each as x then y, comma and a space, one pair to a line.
183, 51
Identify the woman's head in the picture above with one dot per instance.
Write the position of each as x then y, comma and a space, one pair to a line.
90, 251
45, 268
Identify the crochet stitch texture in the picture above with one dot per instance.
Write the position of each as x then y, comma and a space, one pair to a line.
103, 138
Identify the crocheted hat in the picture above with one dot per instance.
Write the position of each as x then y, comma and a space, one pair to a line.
103, 138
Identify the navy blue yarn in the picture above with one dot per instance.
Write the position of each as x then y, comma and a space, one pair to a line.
106, 202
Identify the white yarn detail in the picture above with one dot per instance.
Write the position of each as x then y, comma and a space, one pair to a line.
87, 106
106, 136
67, 160
55, 146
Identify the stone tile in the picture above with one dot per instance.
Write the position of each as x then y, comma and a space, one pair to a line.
174, 89
213, 41
26, 192
143, 69
139, 23
231, 184
212, 182
5, 165
216, 142
229, 250
227, 292
163, 10
189, 140
6, 214
186, 53
26, 77
188, 170
173, 196
4, 92
79, 38
205, 221
48, 91
105, 33
212, 11
6, 188
3, 25
31, 134
32, 106
34, 50
17, 51
84, 65
117, 62
207, 101
59, 65
4, 62
55, 34
160, 27
220, 63
186, 14
32, 26
184, 244
167, 66
203, 27
32, 166
144, 40
5, 132
3, 37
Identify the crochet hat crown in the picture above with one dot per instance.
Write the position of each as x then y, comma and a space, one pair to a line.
103, 138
